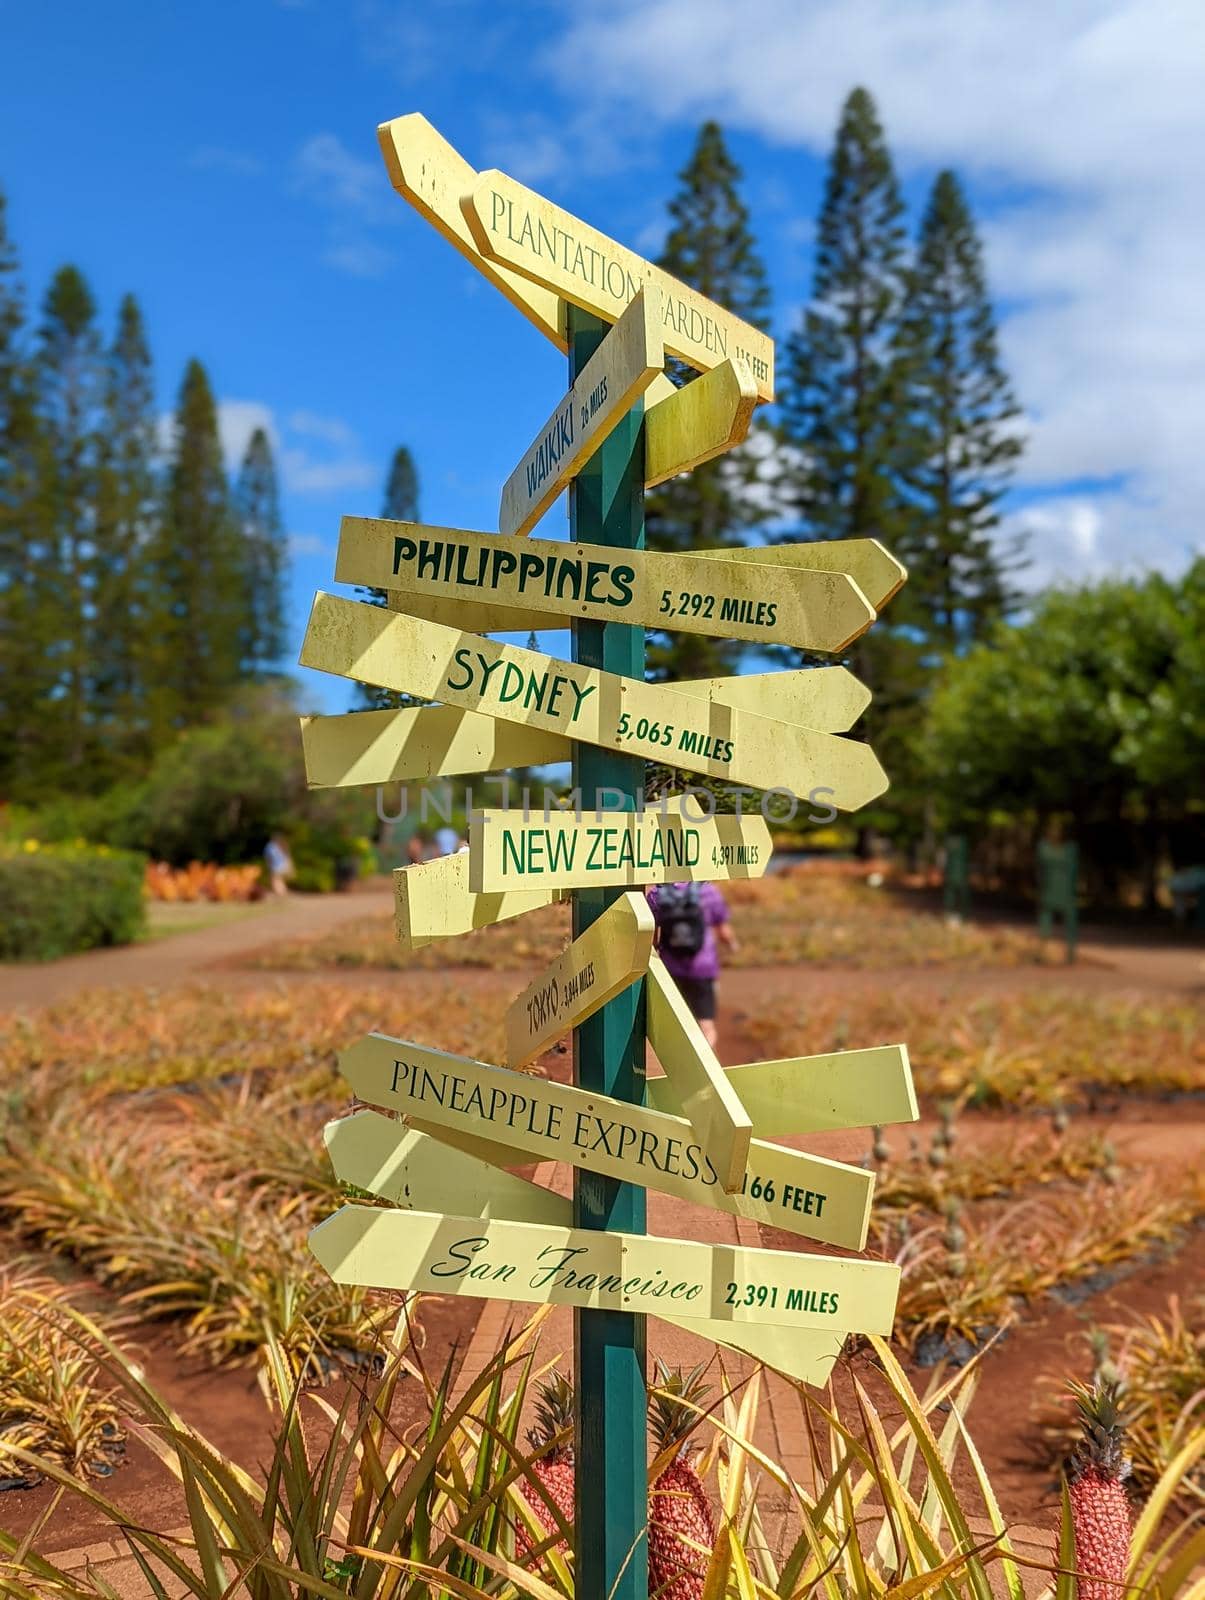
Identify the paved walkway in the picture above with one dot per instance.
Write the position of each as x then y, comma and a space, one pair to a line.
180, 957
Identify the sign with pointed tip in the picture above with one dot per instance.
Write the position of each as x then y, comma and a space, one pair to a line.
709, 1102
492, 1259
609, 385
586, 703
521, 230
873, 568
420, 742
600, 963
432, 900
419, 1173
767, 605
425, 170
609, 849
811, 1094
698, 422
803, 1194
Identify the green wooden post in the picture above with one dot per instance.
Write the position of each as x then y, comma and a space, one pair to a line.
606, 506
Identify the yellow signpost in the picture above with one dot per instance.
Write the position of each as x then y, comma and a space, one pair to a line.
418, 742
432, 900
614, 378
418, 1172
611, 954
789, 1189
523, 231
788, 604
492, 1259
585, 703
460, 1221
810, 1094
706, 1095
612, 849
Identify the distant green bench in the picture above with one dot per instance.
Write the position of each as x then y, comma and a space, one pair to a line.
1058, 891
1188, 896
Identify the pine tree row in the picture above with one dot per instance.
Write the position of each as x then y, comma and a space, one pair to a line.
896, 420
138, 587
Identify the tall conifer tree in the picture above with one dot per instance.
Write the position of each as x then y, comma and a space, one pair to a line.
841, 391
400, 504
200, 590
70, 390
963, 418
257, 502
27, 671
844, 409
127, 508
711, 247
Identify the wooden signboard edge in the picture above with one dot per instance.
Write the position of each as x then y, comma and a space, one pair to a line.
698, 422
627, 919
709, 1102
636, 355
750, 832
542, 308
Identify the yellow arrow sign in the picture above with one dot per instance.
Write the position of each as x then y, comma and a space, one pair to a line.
709, 1102
602, 708
600, 963
808, 1094
804, 1194
734, 600
874, 569
444, 741
606, 849
605, 390
524, 231
433, 901
418, 1172
426, 170
697, 422
496, 1260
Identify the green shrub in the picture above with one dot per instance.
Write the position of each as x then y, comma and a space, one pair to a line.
57, 899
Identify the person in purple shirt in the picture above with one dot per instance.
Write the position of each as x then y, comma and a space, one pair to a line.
692, 923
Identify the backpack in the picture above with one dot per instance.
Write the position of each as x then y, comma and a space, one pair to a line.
680, 915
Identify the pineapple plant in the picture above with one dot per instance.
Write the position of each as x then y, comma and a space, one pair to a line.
681, 1525
1100, 1513
554, 1469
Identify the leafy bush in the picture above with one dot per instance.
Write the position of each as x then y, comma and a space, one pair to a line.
58, 899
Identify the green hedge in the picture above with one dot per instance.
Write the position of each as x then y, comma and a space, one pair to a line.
57, 899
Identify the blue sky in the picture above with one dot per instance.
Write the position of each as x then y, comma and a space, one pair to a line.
221, 161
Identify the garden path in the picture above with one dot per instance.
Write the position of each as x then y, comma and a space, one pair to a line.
183, 956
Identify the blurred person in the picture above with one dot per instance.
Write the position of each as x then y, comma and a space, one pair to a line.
447, 840
692, 923
416, 848
279, 863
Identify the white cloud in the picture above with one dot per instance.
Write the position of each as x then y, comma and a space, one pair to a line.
326, 169
314, 454
360, 258
1080, 124
308, 544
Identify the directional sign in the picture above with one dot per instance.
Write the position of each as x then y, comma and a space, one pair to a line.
733, 600
600, 963
422, 742
875, 570
606, 849
521, 229
432, 900
585, 703
697, 422
419, 1173
607, 388
432, 176
496, 1260
808, 1094
708, 1101
802, 1193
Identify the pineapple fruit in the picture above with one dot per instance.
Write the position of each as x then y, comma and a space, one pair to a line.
554, 1469
680, 1519
1100, 1513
